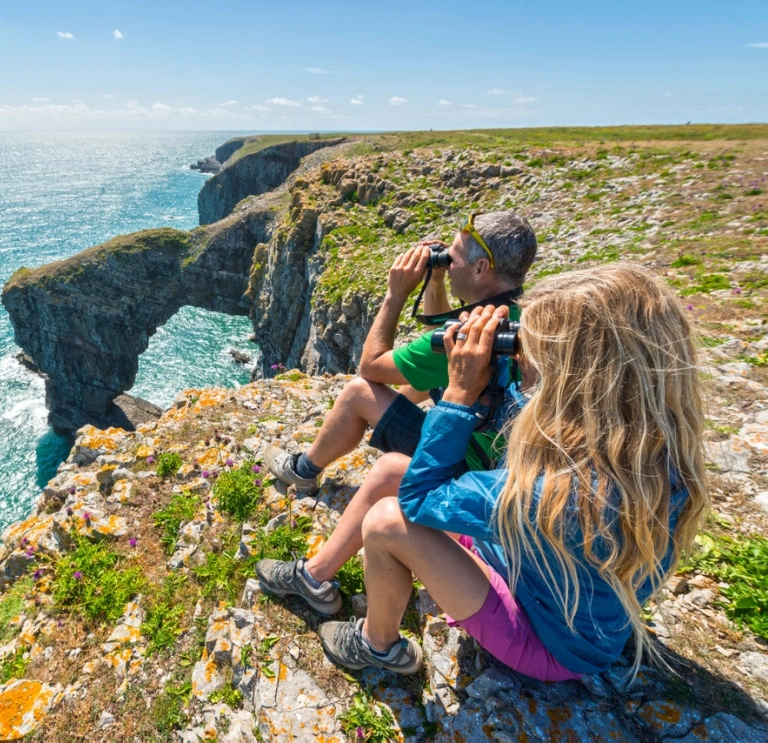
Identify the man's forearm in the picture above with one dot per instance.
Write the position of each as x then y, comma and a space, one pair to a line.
436, 298
381, 337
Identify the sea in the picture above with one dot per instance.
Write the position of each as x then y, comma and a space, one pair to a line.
59, 194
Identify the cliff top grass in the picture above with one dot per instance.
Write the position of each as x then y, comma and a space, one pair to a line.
553, 135
161, 240
262, 141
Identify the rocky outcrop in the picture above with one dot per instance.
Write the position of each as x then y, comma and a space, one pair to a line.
199, 653
253, 174
208, 165
85, 321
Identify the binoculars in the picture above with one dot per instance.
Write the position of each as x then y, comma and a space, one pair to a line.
506, 341
438, 257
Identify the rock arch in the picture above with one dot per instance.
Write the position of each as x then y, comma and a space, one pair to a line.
84, 321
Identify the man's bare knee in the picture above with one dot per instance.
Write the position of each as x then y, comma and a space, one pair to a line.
388, 470
367, 400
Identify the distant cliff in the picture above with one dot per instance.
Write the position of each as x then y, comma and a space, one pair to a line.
226, 150
251, 174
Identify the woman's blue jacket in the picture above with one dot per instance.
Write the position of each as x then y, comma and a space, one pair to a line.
429, 496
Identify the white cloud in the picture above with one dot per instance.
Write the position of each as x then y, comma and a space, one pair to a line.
116, 33
522, 100
317, 71
760, 45
469, 105
357, 101
41, 100
257, 107
396, 100
317, 99
443, 102
277, 101
669, 95
496, 91
320, 109
229, 103
108, 96
64, 35
76, 100
78, 113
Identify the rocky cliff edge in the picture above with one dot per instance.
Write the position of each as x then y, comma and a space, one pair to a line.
130, 610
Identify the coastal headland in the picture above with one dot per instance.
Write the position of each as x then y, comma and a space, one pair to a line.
128, 609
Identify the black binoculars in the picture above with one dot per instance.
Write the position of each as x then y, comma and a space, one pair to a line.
438, 257
506, 341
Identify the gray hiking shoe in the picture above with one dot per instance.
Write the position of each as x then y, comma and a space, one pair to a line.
286, 578
280, 464
345, 645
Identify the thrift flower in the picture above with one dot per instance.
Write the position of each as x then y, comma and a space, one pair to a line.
359, 733
72, 490
255, 468
737, 290
205, 474
207, 442
69, 511
257, 483
78, 575
38, 574
30, 551
133, 541
689, 306
230, 462
274, 366
150, 460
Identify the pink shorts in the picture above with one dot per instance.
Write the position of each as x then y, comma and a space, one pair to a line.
504, 630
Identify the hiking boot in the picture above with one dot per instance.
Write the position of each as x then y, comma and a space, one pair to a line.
344, 643
280, 464
287, 578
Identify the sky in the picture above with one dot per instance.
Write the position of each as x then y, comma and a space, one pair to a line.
82, 65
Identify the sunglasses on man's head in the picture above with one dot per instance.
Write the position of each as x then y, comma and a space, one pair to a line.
468, 226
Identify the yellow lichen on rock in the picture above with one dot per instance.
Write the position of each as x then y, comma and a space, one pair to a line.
23, 704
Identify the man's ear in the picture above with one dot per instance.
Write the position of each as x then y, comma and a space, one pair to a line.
481, 267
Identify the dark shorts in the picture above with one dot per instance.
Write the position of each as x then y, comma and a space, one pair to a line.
399, 430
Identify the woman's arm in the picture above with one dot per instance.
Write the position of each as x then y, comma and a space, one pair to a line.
428, 493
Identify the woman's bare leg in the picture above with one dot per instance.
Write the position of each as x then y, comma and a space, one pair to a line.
395, 551
381, 482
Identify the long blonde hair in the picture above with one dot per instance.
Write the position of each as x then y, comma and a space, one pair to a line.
616, 411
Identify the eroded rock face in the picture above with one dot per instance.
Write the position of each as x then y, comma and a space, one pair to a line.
85, 320
251, 175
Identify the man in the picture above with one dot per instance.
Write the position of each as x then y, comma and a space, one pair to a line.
489, 258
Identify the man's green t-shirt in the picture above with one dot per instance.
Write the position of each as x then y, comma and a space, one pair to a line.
425, 370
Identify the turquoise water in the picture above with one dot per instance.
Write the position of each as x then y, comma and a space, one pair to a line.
62, 193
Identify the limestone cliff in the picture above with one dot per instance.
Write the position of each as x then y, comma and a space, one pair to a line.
85, 321
195, 651
252, 174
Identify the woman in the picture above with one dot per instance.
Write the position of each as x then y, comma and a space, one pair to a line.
605, 487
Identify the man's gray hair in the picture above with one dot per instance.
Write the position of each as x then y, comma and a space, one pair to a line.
511, 240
